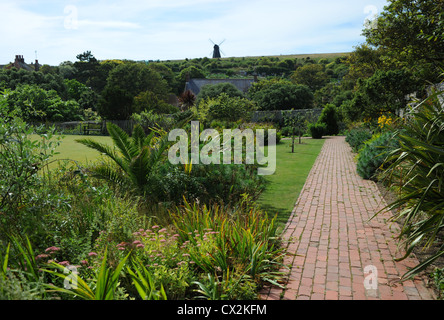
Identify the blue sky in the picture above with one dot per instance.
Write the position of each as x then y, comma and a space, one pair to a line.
173, 29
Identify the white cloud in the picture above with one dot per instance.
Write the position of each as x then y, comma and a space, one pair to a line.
173, 29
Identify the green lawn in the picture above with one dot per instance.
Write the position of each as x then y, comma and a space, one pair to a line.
292, 169
72, 150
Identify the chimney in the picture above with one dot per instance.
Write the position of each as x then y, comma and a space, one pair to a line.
37, 66
17, 61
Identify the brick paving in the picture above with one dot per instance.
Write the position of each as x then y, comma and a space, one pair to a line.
332, 240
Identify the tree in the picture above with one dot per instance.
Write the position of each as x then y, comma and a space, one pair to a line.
297, 123
36, 104
86, 67
214, 90
411, 32
363, 62
281, 95
189, 72
225, 107
384, 92
127, 81
329, 117
79, 92
311, 75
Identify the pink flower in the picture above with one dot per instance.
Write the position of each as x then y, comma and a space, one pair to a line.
52, 249
92, 254
162, 230
64, 263
41, 256
84, 262
140, 246
155, 227
137, 242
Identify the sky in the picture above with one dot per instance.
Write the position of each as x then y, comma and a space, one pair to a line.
57, 31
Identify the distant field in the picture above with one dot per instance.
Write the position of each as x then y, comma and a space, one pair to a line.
291, 56
311, 55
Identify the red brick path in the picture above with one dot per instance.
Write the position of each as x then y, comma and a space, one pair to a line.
331, 239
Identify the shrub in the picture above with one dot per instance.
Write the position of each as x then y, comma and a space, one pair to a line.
225, 108
416, 168
329, 116
356, 138
21, 160
372, 155
317, 130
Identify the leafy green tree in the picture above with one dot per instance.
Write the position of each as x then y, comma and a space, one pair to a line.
86, 67
37, 104
214, 90
297, 123
229, 108
411, 32
384, 92
363, 62
125, 82
189, 72
13, 78
148, 100
329, 117
79, 92
281, 95
311, 75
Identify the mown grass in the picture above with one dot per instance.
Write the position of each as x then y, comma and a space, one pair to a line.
69, 149
286, 183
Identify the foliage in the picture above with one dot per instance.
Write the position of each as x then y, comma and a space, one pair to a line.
295, 122
438, 277
356, 137
104, 283
37, 104
214, 90
416, 168
150, 119
13, 78
383, 92
135, 163
149, 101
230, 239
311, 75
281, 95
411, 32
21, 158
127, 81
187, 100
329, 117
228, 108
373, 153
317, 130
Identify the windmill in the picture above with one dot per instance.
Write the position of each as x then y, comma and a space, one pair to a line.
217, 50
